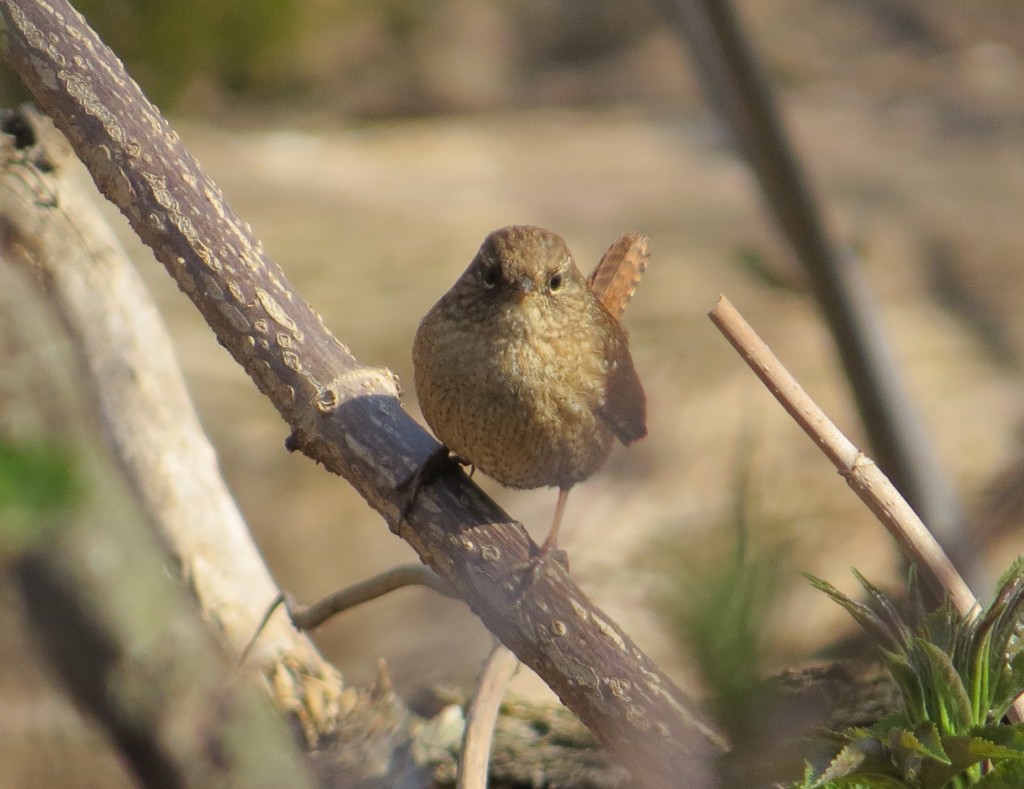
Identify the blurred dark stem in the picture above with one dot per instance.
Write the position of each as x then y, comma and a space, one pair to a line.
735, 84
135, 653
956, 292
82, 651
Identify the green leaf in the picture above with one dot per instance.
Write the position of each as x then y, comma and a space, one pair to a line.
1008, 685
1005, 775
1004, 735
930, 742
981, 671
943, 627
37, 484
910, 684
984, 743
894, 720
909, 753
867, 781
1003, 613
949, 705
1006, 666
864, 616
989, 653
860, 757
1015, 570
886, 612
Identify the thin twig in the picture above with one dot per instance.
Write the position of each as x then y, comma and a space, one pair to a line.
860, 472
482, 715
312, 616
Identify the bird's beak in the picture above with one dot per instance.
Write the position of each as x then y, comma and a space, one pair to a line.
523, 288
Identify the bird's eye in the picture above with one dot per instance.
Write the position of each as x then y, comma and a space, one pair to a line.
491, 275
555, 282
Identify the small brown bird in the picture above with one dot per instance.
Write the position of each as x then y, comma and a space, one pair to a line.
522, 368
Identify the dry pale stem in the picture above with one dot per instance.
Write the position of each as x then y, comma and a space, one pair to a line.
482, 715
860, 472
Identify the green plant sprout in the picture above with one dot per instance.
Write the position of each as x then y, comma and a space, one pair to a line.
958, 677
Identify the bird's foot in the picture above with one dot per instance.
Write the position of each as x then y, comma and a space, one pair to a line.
440, 461
530, 570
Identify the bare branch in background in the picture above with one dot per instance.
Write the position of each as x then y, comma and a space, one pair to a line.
130, 643
52, 229
867, 481
735, 84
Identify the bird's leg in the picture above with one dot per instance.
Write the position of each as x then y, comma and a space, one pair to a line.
438, 462
551, 541
549, 546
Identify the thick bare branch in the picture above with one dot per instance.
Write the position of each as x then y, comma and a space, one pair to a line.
343, 414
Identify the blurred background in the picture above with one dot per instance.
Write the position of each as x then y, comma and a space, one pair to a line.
373, 145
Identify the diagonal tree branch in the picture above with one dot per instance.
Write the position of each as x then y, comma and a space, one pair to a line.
343, 414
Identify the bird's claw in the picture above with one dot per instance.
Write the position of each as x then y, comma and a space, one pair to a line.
438, 462
532, 568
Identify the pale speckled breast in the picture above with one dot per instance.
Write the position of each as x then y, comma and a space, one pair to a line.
525, 412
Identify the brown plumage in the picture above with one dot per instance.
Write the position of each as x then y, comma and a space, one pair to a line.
523, 371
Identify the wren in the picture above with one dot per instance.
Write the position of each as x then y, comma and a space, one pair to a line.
522, 369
